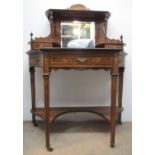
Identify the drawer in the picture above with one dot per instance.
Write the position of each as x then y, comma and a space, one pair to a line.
35, 60
39, 45
81, 61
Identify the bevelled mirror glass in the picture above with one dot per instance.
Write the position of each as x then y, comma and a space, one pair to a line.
78, 34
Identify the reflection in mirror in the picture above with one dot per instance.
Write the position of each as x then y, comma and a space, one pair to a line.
78, 34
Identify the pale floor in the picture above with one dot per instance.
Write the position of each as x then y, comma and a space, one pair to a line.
77, 138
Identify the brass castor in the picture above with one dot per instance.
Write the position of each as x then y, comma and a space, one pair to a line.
49, 148
112, 145
35, 124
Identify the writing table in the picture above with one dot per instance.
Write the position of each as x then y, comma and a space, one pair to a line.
51, 53
64, 58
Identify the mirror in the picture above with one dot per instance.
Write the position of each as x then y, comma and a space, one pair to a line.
77, 34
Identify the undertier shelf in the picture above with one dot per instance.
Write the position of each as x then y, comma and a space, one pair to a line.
54, 112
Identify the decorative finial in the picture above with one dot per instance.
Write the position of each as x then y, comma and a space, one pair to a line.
31, 34
121, 37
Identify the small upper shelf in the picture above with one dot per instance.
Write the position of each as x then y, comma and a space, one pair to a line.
82, 15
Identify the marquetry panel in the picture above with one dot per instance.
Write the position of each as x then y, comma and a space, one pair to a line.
39, 45
113, 46
80, 61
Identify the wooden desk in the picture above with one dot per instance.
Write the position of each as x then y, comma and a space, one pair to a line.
66, 58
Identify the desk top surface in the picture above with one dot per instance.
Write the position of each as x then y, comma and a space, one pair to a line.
76, 50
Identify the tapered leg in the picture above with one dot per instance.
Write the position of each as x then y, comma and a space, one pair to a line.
113, 108
120, 90
114, 79
32, 80
46, 101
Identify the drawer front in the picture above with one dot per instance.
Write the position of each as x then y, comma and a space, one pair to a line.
39, 45
81, 61
121, 61
36, 60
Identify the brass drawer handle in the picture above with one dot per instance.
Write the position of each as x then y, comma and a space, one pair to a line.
81, 60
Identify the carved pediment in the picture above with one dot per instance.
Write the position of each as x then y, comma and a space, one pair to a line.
78, 7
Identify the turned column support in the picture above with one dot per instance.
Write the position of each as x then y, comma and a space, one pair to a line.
114, 79
120, 91
32, 81
46, 75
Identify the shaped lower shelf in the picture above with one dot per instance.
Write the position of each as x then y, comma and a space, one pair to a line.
54, 112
